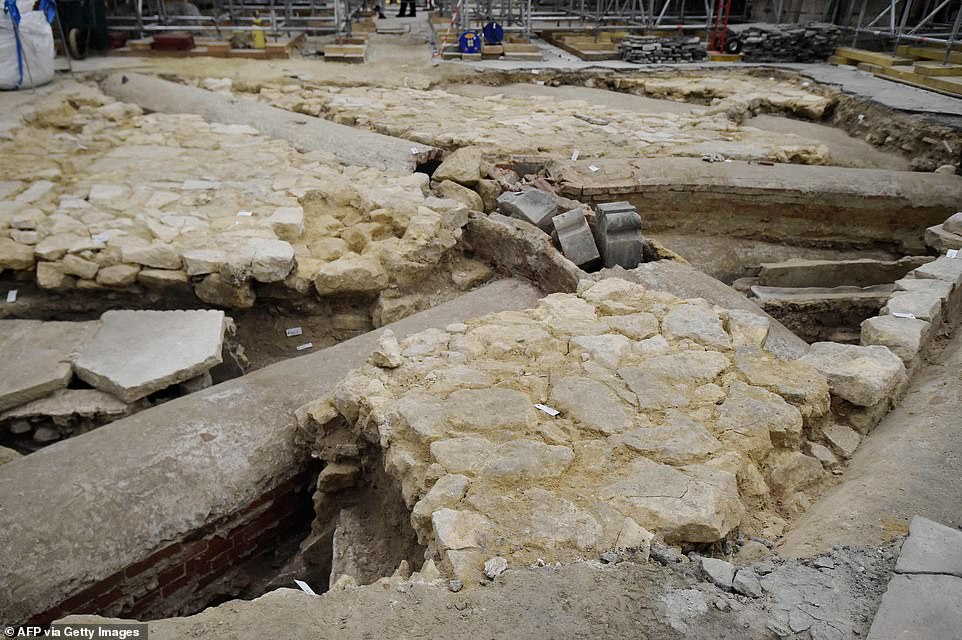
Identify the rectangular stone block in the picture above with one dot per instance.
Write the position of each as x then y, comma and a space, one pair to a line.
924, 305
575, 238
945, 269
618, 235
531, 205
904, 337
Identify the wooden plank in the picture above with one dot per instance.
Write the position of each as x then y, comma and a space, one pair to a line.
948, 85
870, 68
840, 60
724, 57
872, 57
937, 69
930, 53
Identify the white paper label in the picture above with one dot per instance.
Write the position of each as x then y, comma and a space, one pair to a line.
100, 237
910, 316
306, 345
551, 412
306, 588
12, 295
593, 168
245, 214
952, 253
574, 155
293, 331
414, 151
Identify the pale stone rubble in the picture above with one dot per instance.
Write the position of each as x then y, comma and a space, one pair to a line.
506, 124
671, 421
97, 196
124, 357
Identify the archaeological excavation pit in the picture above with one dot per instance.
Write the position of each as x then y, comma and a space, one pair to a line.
401, 349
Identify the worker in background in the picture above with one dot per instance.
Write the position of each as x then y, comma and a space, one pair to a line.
405, 5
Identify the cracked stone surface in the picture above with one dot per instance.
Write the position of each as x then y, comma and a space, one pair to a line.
135, 353
677, 443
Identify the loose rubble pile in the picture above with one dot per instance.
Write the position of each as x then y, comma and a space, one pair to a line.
543, 125
65, 378
597, 421
813, 42
98, 196
654, 49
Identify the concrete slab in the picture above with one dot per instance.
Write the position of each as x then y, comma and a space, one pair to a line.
36, 357
136, 353
931, 548
921, 607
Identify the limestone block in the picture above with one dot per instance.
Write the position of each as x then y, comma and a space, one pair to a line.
801, 385
28, 219
653, 389
844, 439
520, 460
694, 503
748, 329
24, 237
287, 223
591, 404
156, 255
945, 269
200, 262
50, 275
390, 307
757, 419
941, 240
36, 357
109, 196
939, 287
680, 440
136, 353
463, 167
607, 349
455, 530
272, 260
465, 196
637, 326
351, 273
222, 290
904, 337
931, 548
863, 375
698, 323
119, 275
446, 492
718, 572
635, 537
574, 236
8, 455
489, 190
618, 235
14, 255
924, 305
55, 246
36, 191
328, 249
531, 205
64, 403
387, 352
77, 266
791, 471
162, 278
953, 223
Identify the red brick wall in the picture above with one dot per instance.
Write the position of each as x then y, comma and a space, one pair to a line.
181, 577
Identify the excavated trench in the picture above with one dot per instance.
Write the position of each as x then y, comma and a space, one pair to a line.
350, 517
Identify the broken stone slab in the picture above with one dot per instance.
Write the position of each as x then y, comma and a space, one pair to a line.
8, 455
924, 305
136, 353
945, 269
387, 353
463, 167
287, 223
698, 323
36, 357
618, 235
14, 255
863, 375
953, 224
844, 439
904, 337
919, 606
458, 193
942, 240
719, 572
64, 403
575, 237
931, 548
351, 273
531, 205
747, 584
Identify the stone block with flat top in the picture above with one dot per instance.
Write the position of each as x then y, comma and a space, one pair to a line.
575, 238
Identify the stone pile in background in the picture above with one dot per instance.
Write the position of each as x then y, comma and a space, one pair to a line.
654, 49
813, 42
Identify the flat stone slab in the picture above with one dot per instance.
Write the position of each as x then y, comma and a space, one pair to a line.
931, 548
863, 375
64, 403
136, 353
946, 269
903, 336
36, 357
919, 606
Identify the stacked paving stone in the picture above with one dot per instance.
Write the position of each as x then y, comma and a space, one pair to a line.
813, 42
653, 49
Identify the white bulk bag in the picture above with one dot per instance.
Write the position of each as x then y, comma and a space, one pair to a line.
36, 40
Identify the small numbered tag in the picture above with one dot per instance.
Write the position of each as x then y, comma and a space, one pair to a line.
293, 331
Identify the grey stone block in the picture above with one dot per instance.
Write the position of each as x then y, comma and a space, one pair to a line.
931, 548
919, 606
945, 269
924, 305
531, 205
575, 238
903, 336
618, 235
953, 224
941, 240
943, 289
